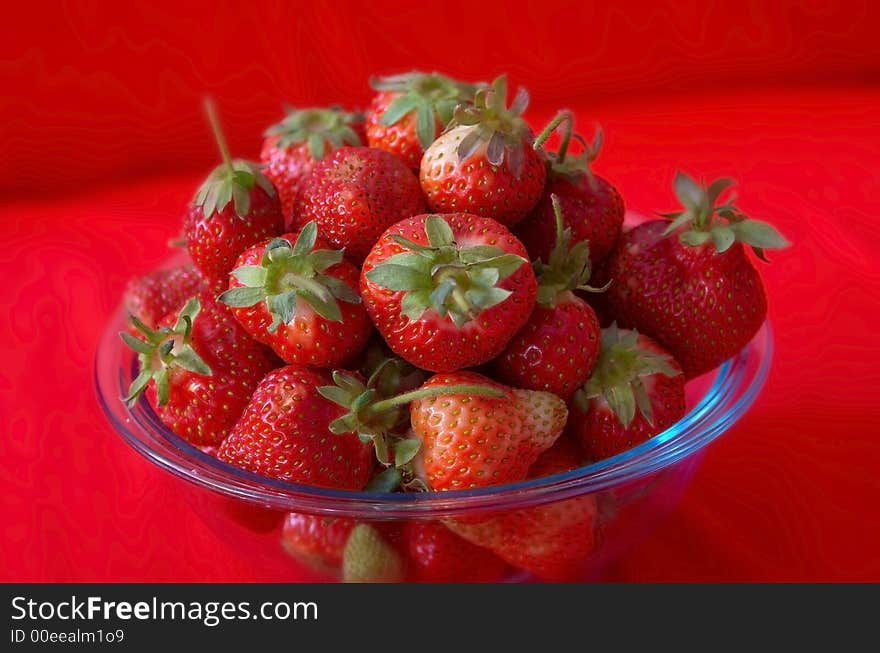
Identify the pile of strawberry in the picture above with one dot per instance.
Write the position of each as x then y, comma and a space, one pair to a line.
403, 301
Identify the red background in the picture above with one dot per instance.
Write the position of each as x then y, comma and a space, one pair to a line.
102, 142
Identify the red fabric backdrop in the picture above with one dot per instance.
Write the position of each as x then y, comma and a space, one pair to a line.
102, 142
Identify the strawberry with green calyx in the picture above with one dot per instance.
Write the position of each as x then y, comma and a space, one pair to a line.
485, 163
689, 283
234, 208
448, 292
592, 207
470, 441
296, 143
198, 368
354, 194
554, 541
636, 391
383, 419
297, 296
411, 109
557, 348
284, 434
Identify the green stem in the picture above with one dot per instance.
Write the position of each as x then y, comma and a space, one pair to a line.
461, 301
211, 111
434, 391
563, 116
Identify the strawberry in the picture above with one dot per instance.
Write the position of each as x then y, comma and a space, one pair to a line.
233, 209
437, 555
485, 163
316, 540
294, 145
410, 110
557, 348
203, 368
153, 296
635, 392
298, 297
284, 433
689, 283
591, 207
369, 557
469, 441
448, 292
554, 541
354, 194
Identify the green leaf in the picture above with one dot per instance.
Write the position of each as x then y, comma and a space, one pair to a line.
415, 303
759, 234
688, 191
326, 308
138, 386
643, 401
680, 220
495, 150
479, 253
410, 245
487, 298
136, 343
723, 238
438, 231
336, 394
284, 305
242, 200
398, 277
241, 297
716, 188
387, 480
316, 146
506, 264
425, 124
695, 238
188, 359
253, 276
441, 294
305, 242
469, 144
162, 390
621, 400
323, 259
339, 289
409, 259
405, 450
398, 109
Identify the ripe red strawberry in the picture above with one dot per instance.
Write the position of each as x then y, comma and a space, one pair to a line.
156, 294
437, 555
284, 433
591, 207
354, 194
554, 541
448, 292
234, 208
316, 540
690, 284
470, 441
294, 145
203, 367
635, 392
557, 348
298, 297
485, 163
410, 110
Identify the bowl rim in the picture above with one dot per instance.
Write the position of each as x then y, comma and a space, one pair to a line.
736, 385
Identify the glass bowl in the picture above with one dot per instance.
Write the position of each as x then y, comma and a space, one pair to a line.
631, 492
